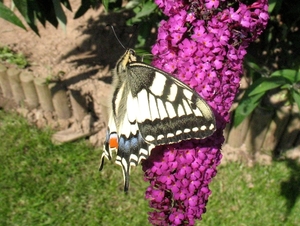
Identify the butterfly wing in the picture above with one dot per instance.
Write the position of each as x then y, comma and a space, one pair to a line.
168, 110
150, 107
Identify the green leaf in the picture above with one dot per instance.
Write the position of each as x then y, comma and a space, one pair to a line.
66, 3
142, 11
8, 15
44, 11
132, 4
272, 4
289, 74
60, 15
147, 9
264, 84
252, 64
28, 8
286, 86
245, 107
105, 4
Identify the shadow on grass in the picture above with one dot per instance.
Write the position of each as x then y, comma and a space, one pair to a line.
290, 189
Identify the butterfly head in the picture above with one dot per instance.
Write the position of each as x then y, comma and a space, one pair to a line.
128, 57
132, 55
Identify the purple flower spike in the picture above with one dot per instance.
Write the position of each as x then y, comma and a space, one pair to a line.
203, 43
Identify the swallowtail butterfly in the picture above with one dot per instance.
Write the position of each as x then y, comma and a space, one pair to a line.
150, 107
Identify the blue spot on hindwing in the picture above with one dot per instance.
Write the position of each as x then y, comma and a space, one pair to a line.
134, 142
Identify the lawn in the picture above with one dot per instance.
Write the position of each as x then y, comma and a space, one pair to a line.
46, 184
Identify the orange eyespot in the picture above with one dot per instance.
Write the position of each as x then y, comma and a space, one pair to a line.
113, 141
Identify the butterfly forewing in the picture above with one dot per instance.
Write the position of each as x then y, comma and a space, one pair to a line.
150, 107
170, 111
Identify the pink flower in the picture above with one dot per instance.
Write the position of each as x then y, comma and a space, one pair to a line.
203, 43
211, 4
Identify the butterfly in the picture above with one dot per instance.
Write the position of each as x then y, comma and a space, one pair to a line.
150, 107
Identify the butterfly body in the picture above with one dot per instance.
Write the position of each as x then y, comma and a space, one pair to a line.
150, 107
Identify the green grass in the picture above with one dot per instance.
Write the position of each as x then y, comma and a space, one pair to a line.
262, 195
45, 184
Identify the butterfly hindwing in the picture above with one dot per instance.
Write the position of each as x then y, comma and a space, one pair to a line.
150, 107
123, 134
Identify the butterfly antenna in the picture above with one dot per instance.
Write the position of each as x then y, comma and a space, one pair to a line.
113, 30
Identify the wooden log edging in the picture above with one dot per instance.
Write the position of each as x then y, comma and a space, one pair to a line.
257, 130
268, 132
44, 94
4, 83
276, 128
291, 132
31, 97
13, 75
48, 101
60, 100
237, 135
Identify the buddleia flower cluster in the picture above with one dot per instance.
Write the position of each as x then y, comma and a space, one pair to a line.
203, 43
